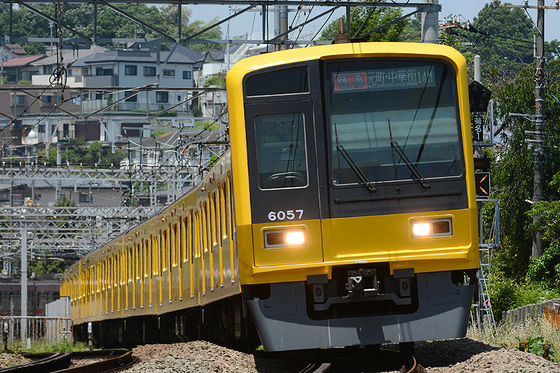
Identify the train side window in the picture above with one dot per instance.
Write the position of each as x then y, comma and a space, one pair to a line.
281, 150
163, 250
215, 220
223, 212
185, 239
131, 264
278, 82
148, 258
230, 210
174, 243
205, 227
192, 237
138, 262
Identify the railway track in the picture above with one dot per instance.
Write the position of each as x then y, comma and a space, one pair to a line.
98, 361
350, 360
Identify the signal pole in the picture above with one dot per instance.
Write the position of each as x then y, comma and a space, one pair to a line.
539, 120
539, 117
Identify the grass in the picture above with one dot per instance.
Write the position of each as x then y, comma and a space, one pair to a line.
47, 346
533, 331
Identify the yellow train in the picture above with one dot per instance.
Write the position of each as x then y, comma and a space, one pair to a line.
344, 213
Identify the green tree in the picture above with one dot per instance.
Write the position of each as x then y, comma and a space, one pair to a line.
412, 31
363, 20
54, 265
505, 36
512, 173
197, 26
216, 80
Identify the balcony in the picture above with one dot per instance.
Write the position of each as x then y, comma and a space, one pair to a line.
100, 81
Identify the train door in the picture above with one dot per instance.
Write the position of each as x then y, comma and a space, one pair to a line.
283, 179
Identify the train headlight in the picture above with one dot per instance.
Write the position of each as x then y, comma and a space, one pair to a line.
431, 228
421, 229
285, 238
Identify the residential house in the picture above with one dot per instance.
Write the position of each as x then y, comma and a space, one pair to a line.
133, 70
46, 66
34, 109
20, 68
97, 193
9, 51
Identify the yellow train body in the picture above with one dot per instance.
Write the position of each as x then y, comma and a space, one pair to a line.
226, 238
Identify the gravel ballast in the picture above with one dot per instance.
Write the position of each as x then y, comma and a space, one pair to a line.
450, 356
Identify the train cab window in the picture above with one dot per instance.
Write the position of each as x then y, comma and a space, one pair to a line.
278, 82
281, 151
393, 120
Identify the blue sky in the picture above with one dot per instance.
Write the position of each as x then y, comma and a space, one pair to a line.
468, 9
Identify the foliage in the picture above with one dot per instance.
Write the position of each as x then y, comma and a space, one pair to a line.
506, 294
535, 346
47, 266
94, 154
213, 161
530, 330
23, 81
512, 171
214, 33
206, 125
545, 270
363, 20
110, 24
412, 31
216, 80
48, 346
505, 38
65, 201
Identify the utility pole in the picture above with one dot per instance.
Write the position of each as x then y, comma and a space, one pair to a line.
430, 24
539, 116
23, 285
539, 119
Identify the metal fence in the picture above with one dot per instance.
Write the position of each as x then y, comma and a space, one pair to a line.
33, 330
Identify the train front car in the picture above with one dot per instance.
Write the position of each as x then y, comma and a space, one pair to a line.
354, 191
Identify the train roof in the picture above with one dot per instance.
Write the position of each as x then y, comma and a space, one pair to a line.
325, 52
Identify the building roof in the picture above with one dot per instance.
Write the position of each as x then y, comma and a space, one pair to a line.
15, 49
137, 56
69, 55
193, 55
23, 61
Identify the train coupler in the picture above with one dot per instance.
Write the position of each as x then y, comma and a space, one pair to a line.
362, 283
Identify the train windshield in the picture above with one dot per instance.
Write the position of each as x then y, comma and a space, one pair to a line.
393, 120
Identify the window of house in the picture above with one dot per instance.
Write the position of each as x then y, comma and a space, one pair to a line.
162, 96
187, 75
168, 72
130, 70
133, 98
18, 99
149, 71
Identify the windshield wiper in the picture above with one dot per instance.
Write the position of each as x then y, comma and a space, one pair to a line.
395, 145
368, 184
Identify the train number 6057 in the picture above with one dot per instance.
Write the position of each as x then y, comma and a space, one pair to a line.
283, 215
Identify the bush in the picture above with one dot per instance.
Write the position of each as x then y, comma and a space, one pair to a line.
504, 295
545, 270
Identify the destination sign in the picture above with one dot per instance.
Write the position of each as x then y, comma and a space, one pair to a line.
384, 79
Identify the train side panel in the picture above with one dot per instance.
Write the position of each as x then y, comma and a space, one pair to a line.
185, 258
